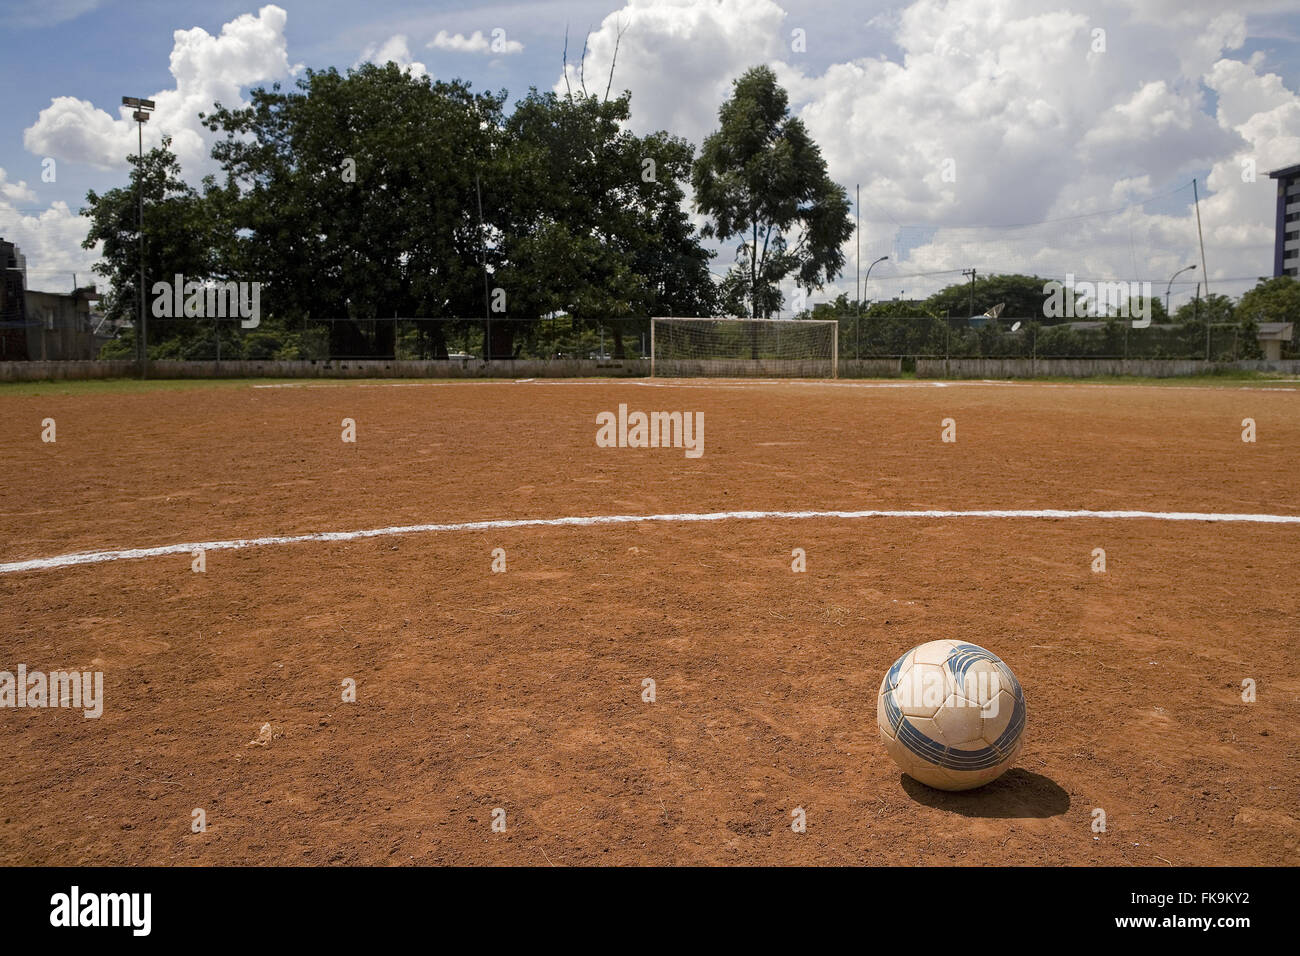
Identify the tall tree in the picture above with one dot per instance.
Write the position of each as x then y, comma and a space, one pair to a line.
180, 229
360, 197
362, 194
761, 178
1272, 300
591, 222
174, 228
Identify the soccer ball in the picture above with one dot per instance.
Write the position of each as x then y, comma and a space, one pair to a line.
951, 715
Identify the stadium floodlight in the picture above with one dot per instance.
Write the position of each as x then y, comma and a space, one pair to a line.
768, 348
142, 108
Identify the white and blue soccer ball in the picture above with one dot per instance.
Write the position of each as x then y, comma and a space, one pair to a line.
951, 714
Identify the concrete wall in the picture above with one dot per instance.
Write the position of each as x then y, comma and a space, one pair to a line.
871, 368
1087, 368
44, 371
743, 368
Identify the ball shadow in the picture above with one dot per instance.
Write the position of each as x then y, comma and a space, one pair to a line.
1017, 793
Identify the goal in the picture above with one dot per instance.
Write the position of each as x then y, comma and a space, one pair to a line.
788, 348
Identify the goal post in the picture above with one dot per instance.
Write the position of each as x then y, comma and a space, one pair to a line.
763, 348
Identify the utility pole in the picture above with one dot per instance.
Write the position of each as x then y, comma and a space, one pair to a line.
971, 273
1200, 237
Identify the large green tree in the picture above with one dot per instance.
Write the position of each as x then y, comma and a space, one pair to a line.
762, 179
362, 195
359, 198
1272, 300
590, 220
1275, 299
179, 230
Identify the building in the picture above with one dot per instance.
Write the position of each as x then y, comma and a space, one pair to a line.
1286, 241
1271, 337
59, 325
13, 314
42, 326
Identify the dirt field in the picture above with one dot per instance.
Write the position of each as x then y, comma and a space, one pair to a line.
522, 690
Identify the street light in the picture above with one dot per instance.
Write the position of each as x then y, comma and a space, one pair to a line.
1171, 285
141, 116
868, 278
857, 348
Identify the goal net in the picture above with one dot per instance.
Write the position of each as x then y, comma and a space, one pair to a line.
789, 348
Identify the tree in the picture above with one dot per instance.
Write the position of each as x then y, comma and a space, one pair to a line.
1022, 295
359, 198
179, 229
761, 178
1272, 300
1217, 308
591, 222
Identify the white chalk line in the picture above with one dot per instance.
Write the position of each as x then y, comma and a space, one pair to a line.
98, 557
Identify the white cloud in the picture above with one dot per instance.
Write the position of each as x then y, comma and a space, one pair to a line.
51, 240
1038, 125
678, 57
394, 50
14, 192
207, 69
496, 43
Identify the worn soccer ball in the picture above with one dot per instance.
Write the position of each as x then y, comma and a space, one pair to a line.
951, 715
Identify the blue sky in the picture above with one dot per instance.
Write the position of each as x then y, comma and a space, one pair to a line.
1038, 126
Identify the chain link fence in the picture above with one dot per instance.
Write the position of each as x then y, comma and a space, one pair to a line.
931, 337
566, 338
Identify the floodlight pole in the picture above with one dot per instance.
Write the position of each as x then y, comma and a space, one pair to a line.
141, 116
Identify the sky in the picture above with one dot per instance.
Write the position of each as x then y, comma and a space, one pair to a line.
1001, 135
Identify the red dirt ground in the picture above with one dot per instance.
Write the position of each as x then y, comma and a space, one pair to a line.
522, 690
